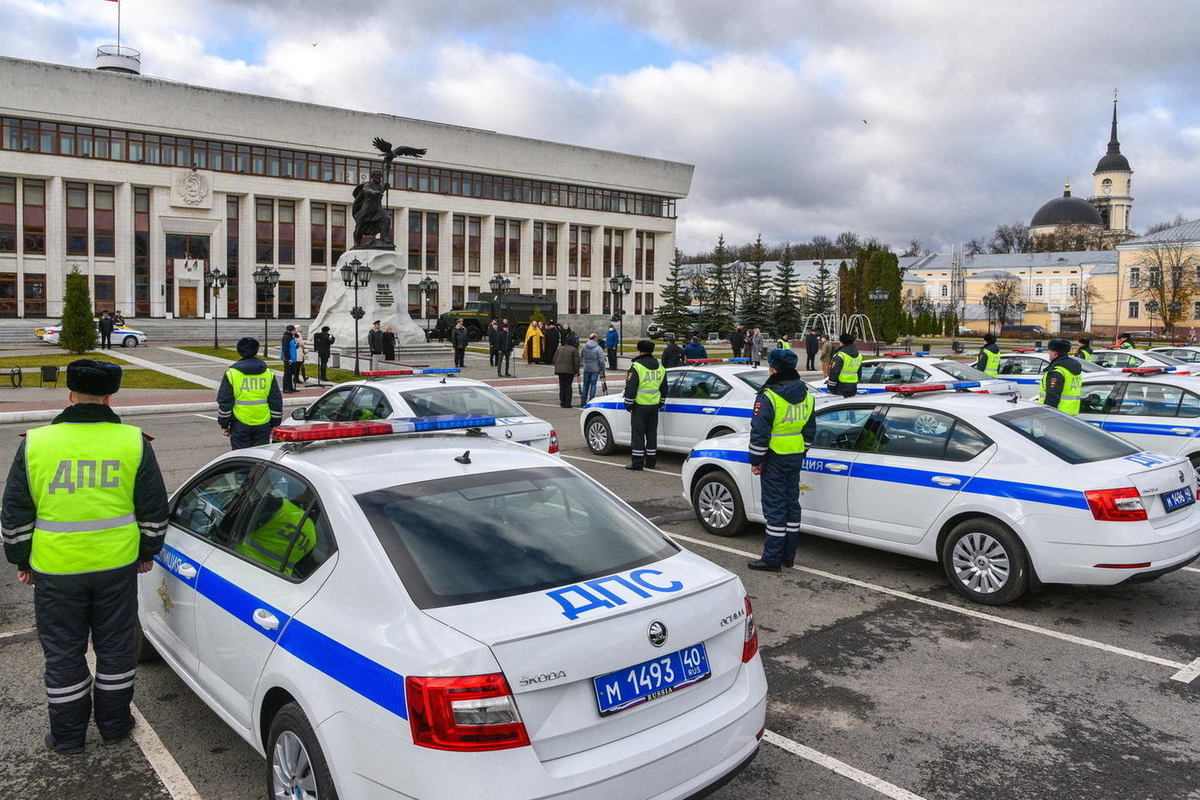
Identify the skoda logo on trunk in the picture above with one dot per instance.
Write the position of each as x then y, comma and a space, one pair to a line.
657, 633
508, 434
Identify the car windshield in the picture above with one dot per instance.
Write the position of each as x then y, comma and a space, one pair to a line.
486, 536
1071, 439
1166, 359
756, 379
1088, 366
479, 400
962, 372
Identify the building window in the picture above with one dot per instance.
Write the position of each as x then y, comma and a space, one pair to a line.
572, 301
648, 305
337, 232
232, 257
472, 293
35, 295
573, 251
318, 233
414, 301
431, 240
585, 252
287, 232
1133, 309
649, 260
264, 230
507, 246
537, 248
1135, 277
474, 235
585, 302
637, 302
423, 240
77, 219
287, 299
945, 290
457, 297
607, 253
416, 221
316, 296
105, 292
551, 249
458, 244
639, 241
8, 294
103, 220
1037, 290
8, 215
141, 250
1073, 290
1106, 185
1195, 309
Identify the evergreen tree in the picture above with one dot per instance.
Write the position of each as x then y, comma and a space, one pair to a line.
786, 313
880, 269
820, 298
673, 300
78, 330
718, 313
847, 297
753, 313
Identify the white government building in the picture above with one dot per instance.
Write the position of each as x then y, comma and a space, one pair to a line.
145, 184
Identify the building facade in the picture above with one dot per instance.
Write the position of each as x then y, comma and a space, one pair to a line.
144, 185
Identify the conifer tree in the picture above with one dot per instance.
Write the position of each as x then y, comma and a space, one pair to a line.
78, 330
819, 298
672, 313
754, 311
718, 313
786, 313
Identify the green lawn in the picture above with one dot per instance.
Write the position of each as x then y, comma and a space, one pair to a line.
131, 378
227, 353
55, 359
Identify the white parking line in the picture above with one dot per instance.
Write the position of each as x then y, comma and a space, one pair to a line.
1181, 668
1190, 569
619, 465
840, 767
206, 416
18, 632
1188, 673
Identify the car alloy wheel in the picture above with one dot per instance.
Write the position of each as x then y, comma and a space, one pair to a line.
715, 504
599, 436
291, 768
981, 563
129, 341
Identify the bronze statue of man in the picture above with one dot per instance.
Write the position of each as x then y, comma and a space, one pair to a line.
371, 219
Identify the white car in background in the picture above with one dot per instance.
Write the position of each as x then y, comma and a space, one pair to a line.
1024, 367
902, 369
1116, 358
383, 394
1188, 354
122, 335
999, 492
1152, 409
448, 616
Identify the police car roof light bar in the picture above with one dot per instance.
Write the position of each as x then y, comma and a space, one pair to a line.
395, 373
323, 431
1144, 370
897, 355
717, 361
918, 388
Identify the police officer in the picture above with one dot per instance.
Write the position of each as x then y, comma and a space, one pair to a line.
249, 403
989, 356
1125, 341
782, 423
1062, 382
85, 511
844, 368
645, 394
1085, 352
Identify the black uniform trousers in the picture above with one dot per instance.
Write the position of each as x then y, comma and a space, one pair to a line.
612, 358
643, 429
322, 365
503, 363
565, 379
243, 435
106, 340
780, 489
460, 355
68, 608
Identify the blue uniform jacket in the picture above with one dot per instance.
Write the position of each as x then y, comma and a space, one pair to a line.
694, 350
791, 389
612, 340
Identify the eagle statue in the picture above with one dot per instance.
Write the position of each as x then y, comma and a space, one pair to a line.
390, 153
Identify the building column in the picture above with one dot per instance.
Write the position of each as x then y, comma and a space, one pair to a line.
247, 264
303, 252
158, 252
526, 261
123, 247
487, 248
56, 246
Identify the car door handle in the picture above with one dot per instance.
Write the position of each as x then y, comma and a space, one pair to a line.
186, 571
1181, 431
709, 410
837, 467
265, 619
945, 480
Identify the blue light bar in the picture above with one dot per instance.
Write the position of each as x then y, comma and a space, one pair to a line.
442, 422
963, 385
440, 371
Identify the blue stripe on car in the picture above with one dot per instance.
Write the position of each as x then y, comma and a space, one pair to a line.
1147, 428
680, 408
348, 667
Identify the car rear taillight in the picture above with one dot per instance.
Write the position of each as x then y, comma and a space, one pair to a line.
553, 441
750, 643
469, 714
1116, 505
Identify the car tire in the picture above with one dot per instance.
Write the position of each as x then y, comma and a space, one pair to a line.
294, 757
474, 334
718, 505
144, 652
599, 436
722, 431
986, 562
129, 341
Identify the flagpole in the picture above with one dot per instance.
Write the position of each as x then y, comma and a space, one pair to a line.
118, 27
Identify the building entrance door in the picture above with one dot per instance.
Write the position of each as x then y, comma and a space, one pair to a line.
187, 301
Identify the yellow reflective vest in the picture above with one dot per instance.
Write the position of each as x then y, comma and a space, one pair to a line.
787, 427
250, 393
649, 381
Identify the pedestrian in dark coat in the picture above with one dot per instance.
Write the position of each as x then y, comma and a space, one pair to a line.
106, 325
811, 346
375, 339
504, 349
569, 336
553, 339
673, 354
389, 344
737, 341
694, 350
460, 337
566, 367
287, 353
323, 344
493, 336
612, 341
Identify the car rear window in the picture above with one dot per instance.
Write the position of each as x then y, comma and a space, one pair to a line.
756, 379
962, 372
485, 536
1071, 439
478, 400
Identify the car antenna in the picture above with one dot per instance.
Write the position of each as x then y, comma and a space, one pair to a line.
443, 380
465, 458
1013, 399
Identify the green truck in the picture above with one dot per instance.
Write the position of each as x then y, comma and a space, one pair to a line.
519, 309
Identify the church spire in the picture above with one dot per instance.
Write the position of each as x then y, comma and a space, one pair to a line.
1113, 160
1114, 146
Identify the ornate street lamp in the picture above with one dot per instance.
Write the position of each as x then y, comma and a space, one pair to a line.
499, 284
356, 274
266, 277
215, 282
620, 284
1152, 308
428, 287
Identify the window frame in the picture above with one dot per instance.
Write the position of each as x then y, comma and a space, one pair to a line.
228, 465
879, 421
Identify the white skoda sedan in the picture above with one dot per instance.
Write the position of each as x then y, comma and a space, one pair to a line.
1002, 493
126, 337
1024, 367
1116, 358
426, 393
902, 369
1152, 409
387, 614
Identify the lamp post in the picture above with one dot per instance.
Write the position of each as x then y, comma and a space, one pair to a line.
1175, 307
428, 287
620, 284
992, 303
877, 296
356, 274
215, 282
1152, 308
266, 277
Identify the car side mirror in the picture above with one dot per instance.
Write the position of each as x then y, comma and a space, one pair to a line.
300, 413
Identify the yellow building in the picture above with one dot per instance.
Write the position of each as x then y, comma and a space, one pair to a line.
1169, 259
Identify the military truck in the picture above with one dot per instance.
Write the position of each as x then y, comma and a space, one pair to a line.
517, 308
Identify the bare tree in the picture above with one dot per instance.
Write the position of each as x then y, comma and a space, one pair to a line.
914, 249
1164, 226
1086, 298
1002, 296
1012, 238
974, 247
1072, 238
1170, 270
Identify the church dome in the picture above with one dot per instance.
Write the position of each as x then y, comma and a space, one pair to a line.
1113, 162
1066, 210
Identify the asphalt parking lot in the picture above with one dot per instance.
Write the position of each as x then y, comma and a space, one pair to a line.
883, 682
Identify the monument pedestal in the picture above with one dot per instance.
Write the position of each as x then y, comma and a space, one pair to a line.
385, 299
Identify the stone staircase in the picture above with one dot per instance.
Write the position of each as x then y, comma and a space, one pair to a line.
165, 331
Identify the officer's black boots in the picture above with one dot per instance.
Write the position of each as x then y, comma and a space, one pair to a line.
764, 566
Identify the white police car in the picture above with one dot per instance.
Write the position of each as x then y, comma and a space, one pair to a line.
1116, 358
1024, 367
427, 393
902, 369
999, 492
1188, 354
705, 398
450, 616
1152, 409
122, 335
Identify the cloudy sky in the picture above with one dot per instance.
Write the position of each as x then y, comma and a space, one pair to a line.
927, 119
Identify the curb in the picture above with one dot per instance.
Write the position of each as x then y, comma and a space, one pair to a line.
47, 414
